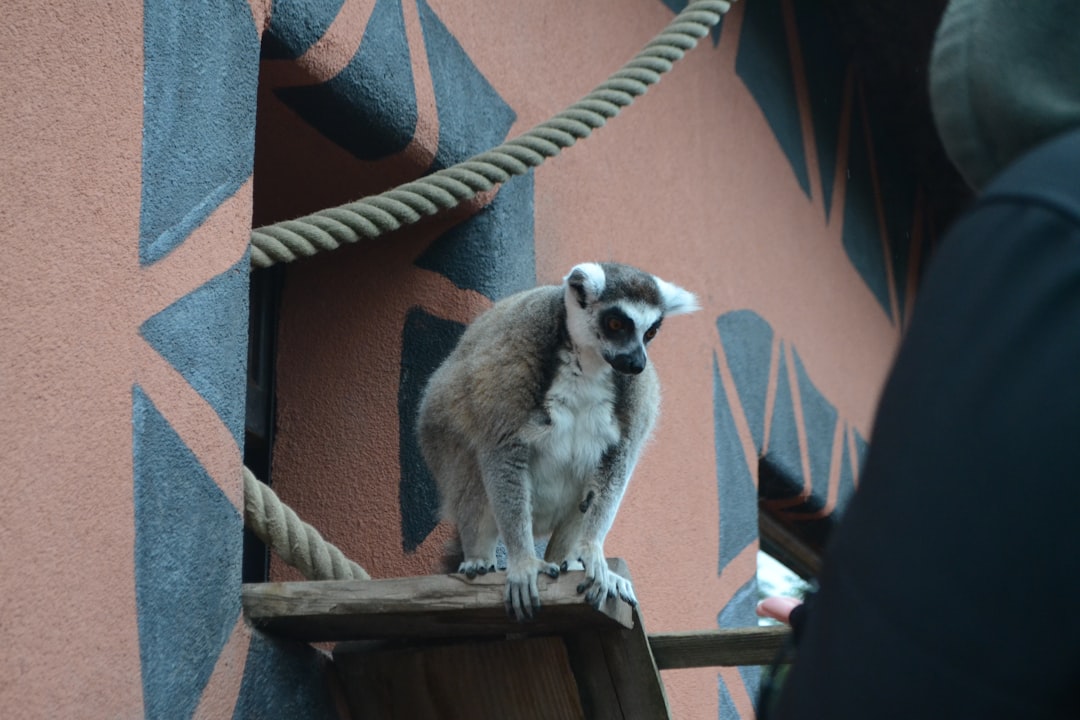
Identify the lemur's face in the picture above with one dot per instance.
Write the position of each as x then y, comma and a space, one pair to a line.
616, 310
623, 330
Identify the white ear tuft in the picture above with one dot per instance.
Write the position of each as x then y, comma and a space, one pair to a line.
676, 300
587, 281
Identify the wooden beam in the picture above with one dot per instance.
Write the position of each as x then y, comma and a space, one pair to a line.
633, 670
709, 648
428, 606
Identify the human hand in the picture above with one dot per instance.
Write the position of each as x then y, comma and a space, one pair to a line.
777, 608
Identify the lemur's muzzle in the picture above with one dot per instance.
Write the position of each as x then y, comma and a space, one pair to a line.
629, 363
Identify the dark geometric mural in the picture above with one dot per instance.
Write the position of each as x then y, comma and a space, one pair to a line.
794, 440
199, 101
197, 137
204, 337
764, 64
734, 483
739, 613
862, 232
369, 108
819, 421
827, 66
425, 341
750, 340
187, 565
762, 366
197, 151
472, 115
493, 252
787, 47
295, 25
284, 680
780, 471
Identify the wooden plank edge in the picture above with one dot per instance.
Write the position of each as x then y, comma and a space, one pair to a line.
291, 607
713, 648
634, 672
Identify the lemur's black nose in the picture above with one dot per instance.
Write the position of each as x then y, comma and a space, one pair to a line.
629, 363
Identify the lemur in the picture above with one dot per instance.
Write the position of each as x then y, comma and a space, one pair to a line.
534, 423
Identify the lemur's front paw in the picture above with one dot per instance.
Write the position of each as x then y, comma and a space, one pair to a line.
600, 582
522, 597
471, 567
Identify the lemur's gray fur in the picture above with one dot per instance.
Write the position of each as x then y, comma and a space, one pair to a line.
533, 424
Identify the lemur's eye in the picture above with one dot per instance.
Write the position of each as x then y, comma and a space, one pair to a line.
614, 324
650, 334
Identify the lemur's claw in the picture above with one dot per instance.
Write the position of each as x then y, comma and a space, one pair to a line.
522, 596
476, 566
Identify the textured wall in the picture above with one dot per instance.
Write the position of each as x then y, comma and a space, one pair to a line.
751, 175
70, 125
140, 144
126, 196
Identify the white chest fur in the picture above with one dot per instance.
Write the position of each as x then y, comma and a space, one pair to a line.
568, 451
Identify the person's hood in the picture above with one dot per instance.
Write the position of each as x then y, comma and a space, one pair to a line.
1004, 77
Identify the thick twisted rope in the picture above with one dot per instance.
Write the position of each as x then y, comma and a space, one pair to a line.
295, 542
373, 216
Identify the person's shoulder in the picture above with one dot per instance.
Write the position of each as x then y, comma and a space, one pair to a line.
1047, 175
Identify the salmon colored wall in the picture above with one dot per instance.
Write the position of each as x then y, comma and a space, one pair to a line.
125, 213
141, 142
693, 183
67, 359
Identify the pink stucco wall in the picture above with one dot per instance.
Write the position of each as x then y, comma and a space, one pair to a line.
74, 296
690, 184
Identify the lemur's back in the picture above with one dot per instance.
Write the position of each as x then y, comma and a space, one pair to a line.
489, 383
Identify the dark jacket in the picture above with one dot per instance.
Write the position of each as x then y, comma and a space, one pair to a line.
949, 589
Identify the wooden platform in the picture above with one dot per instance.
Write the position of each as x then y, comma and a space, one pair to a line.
426, 607
442, 646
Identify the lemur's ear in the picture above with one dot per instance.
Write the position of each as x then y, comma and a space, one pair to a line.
587, 282
676, 300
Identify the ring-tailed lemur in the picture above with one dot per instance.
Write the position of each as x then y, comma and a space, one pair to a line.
533, 424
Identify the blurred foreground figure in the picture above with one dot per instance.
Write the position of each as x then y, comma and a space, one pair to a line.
948, 590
